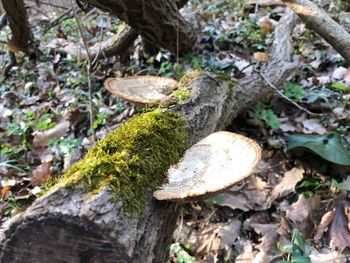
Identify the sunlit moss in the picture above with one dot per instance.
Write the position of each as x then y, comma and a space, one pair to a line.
131, 159
182, 92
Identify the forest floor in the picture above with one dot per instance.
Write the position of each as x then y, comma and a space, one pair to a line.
295, 208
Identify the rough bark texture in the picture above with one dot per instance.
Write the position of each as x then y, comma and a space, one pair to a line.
22, 37
318, 20
116, 44
158, 21
67, 226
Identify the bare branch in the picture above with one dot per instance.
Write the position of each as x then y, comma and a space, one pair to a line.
318, 20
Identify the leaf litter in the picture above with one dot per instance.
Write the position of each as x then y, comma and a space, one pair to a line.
252, 222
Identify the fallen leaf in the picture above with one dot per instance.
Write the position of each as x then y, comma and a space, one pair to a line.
267, 241
339, 231
323, 80
313, 126
213, 237
244, 66
41, 174
4, 191
266, 24
341, 113
210, 258
205, 240
322, 227
287, 127
260, 56
301, 213
326, 255
286, 185
244, 249
44, 154
229, 233
252, 197
12, 46
339, 73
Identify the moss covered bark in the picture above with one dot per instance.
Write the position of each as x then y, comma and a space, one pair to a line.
132, 159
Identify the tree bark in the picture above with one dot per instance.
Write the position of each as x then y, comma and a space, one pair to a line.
158, 21
318, 20
67, 226
22, 37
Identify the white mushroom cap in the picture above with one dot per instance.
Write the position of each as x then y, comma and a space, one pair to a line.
211, 166
141, 90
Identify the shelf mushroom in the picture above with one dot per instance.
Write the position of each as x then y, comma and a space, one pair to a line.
211, 166
141, 90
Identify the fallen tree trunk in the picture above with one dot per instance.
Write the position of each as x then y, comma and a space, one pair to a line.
158, 21
69, 225
116, 44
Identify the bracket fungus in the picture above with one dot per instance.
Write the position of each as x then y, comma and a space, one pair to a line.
141, 90
211, 166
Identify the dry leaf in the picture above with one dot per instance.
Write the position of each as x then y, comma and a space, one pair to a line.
4, 191
339, 73
244, 249
287, 127
229, 233
267, 241
326, 255
324, 80
301, 214
260, 56
322, 227
286, 185
12, 46
41, 174
339, 231
252, 197
214, 237
266, 25
313, 126
44, 154
210, 258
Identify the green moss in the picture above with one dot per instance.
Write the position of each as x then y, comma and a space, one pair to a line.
132, 159
182, 92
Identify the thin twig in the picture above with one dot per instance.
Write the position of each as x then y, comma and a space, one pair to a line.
57, 20
89, 72
94, 63
285, 97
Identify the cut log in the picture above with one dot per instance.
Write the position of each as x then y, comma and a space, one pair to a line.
70, 225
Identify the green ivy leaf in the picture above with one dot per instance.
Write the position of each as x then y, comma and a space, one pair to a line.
339, 86
293, 91
332, 147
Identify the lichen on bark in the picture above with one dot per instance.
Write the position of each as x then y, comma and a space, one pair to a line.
132, 159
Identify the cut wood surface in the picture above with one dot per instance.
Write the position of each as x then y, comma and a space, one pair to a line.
68, 225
